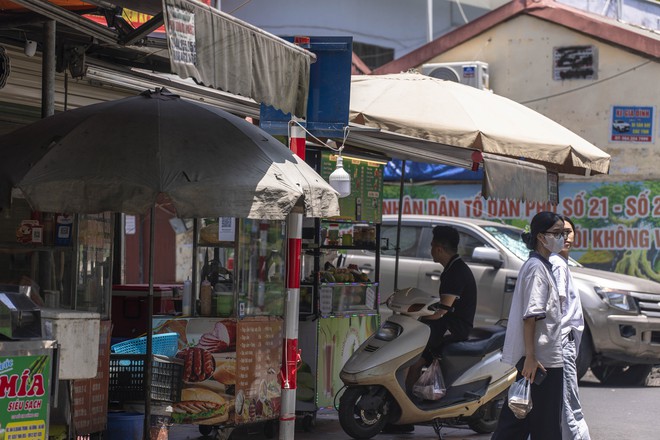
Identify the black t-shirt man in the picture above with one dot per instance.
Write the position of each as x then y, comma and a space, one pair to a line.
458, 293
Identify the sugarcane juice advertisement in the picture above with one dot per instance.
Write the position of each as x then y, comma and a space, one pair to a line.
24, 396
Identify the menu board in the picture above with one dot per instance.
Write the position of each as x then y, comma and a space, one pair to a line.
366, 199
231, 369
90, 396
208, 349
259, 359
24, 396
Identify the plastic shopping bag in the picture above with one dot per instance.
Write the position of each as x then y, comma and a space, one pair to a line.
520, 398
430, 385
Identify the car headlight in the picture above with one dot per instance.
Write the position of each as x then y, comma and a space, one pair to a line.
389, 331
619, 299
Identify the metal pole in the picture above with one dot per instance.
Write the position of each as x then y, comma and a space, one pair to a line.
290, 353
429, 15
146, 435
398, 225
48, 70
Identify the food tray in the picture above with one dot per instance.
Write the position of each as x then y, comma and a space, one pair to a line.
165, 344
127, 378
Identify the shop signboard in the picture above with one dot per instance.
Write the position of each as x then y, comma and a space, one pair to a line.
365, 201
618, 223
632, 124
24, 395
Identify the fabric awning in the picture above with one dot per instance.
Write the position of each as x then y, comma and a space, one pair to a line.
504, 177
223, 52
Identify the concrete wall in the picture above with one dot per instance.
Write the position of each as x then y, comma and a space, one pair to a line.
519, 53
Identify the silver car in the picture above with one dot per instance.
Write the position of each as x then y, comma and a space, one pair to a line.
621, 341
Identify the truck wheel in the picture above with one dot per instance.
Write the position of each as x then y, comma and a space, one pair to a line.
631, 375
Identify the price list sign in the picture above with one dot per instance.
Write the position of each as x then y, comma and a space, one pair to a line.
258, 359
366, 199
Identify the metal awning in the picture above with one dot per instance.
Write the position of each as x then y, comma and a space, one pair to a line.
214, 48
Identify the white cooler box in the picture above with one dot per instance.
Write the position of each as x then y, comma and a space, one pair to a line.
77, 334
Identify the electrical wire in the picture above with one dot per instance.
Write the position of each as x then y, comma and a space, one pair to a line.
325, 144
588, 85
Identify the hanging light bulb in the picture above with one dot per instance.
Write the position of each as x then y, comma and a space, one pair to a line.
340, 180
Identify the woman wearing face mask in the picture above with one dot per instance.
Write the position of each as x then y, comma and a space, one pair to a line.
534, 334
574, 426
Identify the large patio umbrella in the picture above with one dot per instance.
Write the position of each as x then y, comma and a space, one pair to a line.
121, 155
430, 113
124, 155
420, 116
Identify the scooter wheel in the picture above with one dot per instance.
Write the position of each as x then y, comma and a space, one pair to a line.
363, 411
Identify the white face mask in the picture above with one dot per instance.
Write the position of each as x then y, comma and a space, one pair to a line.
554, 245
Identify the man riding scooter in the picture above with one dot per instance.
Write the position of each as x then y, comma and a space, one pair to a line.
458, 304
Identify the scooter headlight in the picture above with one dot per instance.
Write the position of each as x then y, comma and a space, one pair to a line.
389, 331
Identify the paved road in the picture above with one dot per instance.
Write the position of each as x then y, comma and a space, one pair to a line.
612, 414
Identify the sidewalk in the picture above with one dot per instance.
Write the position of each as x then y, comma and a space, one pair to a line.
326, 428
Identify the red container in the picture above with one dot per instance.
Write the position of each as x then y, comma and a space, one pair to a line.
130, 309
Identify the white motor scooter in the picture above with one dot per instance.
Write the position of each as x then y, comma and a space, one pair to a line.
375, 375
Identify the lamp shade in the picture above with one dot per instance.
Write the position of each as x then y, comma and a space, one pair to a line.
340, 180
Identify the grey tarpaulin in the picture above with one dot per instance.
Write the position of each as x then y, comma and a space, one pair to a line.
514, 179
223, 52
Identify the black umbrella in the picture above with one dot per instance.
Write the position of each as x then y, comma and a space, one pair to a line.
124, 155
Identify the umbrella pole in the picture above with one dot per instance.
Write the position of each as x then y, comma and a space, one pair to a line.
146, 435
398, 225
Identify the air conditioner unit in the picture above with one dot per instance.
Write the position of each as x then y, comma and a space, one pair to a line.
471, 73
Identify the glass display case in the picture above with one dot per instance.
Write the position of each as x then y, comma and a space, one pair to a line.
328, 288
242, 263
64, 260
261, 268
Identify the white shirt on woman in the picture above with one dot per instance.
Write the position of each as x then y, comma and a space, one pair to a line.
572, 319
535, 296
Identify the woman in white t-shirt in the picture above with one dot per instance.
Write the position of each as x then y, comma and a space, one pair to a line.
574, 427
534, 332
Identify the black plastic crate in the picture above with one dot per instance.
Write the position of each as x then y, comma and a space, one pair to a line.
127, 378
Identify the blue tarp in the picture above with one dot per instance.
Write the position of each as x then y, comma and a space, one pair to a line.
420, 172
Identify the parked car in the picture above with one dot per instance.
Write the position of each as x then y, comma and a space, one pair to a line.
621, 342
621, 126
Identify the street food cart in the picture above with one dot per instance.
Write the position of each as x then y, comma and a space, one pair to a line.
55, 275
339, 305
231, 347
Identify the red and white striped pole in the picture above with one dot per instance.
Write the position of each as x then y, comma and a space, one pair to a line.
290, 353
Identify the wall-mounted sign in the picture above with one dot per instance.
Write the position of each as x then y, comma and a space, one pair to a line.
574, 62
632, 124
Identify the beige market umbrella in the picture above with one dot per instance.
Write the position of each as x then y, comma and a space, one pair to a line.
435, 111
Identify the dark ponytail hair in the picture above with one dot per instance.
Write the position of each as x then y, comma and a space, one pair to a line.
541, 222
568, 219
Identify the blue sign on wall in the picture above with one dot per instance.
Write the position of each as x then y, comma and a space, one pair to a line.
632, 124
329, 90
